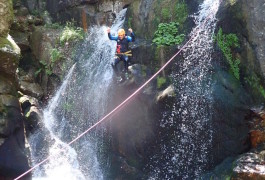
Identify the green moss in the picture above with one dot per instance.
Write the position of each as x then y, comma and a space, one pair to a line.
166, 14
226, 42
255, 83
5, 43
161, 81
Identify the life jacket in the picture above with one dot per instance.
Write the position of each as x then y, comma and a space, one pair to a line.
122, 45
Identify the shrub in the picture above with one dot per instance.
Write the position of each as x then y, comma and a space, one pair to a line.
167, 34
71, 33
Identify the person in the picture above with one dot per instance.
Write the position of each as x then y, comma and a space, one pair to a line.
122, 49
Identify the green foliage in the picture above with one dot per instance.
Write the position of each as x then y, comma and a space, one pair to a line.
226, 42
37, 72
181, 11
254, 82
167, 34
44, 67
55, 55
71, 33
160, 82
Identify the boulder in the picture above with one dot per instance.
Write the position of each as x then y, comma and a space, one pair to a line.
32, 89
21, 39
250, 166
32, 113
33, 118
9, 53
27, 101
168, 92
6, 13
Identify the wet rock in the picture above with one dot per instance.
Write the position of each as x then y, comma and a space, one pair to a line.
14, 154
27, 101
33, 119
231, 107
257, 126
32, 113
250, 166
168, 92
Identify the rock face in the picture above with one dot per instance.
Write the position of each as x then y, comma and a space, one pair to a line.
13, 151
246, 19
248, 165
254, 11
85, 12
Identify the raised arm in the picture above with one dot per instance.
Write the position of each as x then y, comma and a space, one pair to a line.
110, 36
131, 38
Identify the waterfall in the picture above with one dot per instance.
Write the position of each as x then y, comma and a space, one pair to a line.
185, 151
78, 104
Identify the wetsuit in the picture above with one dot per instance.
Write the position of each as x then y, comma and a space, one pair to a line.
122, 47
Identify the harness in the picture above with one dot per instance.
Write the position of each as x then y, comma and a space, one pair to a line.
127, 53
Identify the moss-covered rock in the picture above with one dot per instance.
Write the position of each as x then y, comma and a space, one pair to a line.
6, 13
9, 53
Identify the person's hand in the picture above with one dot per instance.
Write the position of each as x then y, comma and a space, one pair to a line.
130, 30
108, 30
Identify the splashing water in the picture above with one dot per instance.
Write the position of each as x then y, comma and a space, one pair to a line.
185, 151
78, 104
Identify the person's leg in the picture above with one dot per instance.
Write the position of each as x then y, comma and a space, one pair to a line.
114, 64
126, 63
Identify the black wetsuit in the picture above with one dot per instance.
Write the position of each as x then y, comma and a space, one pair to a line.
122, 47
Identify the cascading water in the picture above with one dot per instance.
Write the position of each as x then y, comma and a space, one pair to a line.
185, 150
78, 104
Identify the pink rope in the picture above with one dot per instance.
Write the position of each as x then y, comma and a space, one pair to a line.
120, 105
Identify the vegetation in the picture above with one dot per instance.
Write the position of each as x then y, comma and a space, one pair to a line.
167, 34
71, 33
226, 42
166, 14
160, 82
44, 67
181, 12
55, 55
